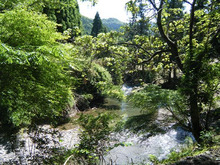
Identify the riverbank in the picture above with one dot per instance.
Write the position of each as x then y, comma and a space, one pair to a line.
140, 135
37, 145
210, 157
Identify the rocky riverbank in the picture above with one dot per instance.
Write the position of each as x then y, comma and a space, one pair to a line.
210, 157
29, 146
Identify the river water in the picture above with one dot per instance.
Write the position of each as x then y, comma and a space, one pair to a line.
159, 145
141, 144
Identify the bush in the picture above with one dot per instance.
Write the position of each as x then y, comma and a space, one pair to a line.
93, 139
23, 27
151, 97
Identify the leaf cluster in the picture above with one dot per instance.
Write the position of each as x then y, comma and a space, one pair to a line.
152, 97
94, 138
23, 28
34, 86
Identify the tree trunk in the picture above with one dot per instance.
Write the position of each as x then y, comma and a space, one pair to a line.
192, 74
190, 68
195, 116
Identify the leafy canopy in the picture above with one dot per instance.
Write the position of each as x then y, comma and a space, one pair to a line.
33, 83
24, 28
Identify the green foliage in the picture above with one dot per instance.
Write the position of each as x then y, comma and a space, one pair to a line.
34, 86
153, 159
152, 97
94, 138
104, 51
99, 76
199, 62
63, 12
114, 91
37, 5
112, 56
182, 51
174, 156
139, 23
94, 77
97, 26
23, 28
66, 15
209, 138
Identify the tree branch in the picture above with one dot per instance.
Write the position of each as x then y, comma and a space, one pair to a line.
192, 15
160, 27
187, 2
153, 4
215, 34
135, 45
171, 44
153, 55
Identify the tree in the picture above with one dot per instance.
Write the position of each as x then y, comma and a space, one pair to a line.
143, 23
104, 51
34, 85
191, 49
23, 29
67, 15
64, 12
97, 26
139, 23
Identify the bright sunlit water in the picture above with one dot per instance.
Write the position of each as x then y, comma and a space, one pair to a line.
142, 146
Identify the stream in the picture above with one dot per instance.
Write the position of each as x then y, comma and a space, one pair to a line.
141, 144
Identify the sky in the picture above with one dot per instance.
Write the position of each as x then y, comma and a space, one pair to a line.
106, 9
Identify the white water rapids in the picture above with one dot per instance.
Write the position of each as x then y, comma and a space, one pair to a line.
159, 145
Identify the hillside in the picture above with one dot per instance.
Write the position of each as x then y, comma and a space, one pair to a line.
110, 23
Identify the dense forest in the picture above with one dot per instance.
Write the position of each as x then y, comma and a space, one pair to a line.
49, 66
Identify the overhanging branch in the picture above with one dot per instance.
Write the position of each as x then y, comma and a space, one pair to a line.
156, 53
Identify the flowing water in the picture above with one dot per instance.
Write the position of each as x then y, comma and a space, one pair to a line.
159, 145
144, 145
141, 144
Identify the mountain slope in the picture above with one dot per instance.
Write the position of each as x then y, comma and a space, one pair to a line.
112, 24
